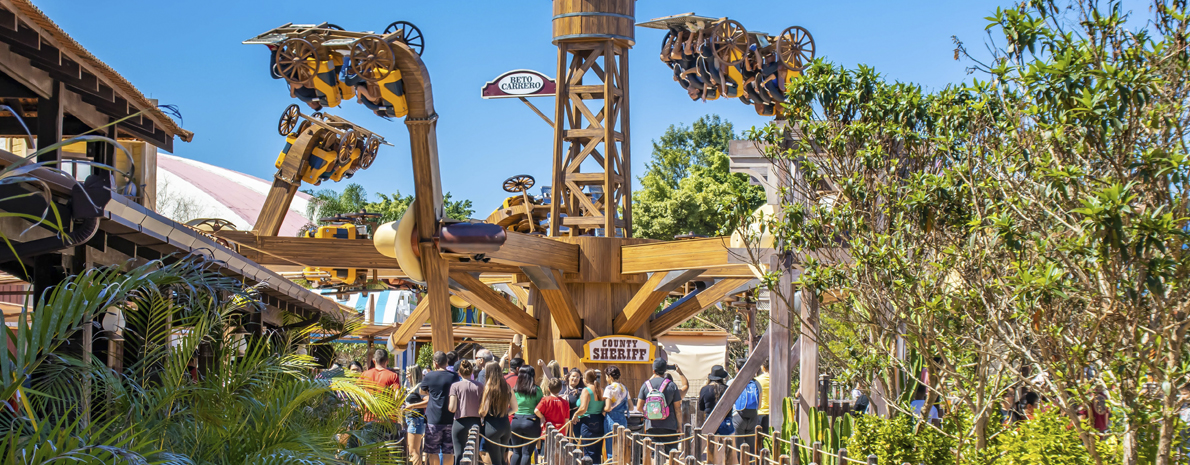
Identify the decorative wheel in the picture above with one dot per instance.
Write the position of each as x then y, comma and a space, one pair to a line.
410, 35
303, 126
518, 183
795, 48
346, 146
317, 114
372, 58
370, 148
333, 26
297, 61
289, 120
730, 41
329, 142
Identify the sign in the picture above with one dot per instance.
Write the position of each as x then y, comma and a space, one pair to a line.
618, 349
519, 83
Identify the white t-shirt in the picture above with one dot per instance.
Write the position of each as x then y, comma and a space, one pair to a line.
614, 393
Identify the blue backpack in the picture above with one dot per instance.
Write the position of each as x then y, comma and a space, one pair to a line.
750, 398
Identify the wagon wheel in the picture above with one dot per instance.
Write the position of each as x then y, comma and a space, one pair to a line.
346, 146
410, 35
795, 48
333, 26
518, 183
294, 62
303, 126
730, 41
330, 141
289, 120
370, 148
317, 115
372, 58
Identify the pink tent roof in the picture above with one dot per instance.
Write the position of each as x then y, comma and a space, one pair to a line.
188, 189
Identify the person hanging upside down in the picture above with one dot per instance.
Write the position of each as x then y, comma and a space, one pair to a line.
385, 97
326, 89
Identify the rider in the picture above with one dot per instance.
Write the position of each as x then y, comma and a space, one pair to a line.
326, 89
385, 97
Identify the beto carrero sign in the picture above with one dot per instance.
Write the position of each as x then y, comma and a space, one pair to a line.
618, 349
519, 83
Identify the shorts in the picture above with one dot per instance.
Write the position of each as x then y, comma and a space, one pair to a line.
438, 440
417, 424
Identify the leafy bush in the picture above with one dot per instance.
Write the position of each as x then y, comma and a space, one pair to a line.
903, 439
1046, 439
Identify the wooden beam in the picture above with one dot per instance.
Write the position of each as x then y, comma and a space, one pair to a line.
646, 300
749, 371
494, 304
49, 123
526, 250
807, 304
557, 298
779, 317
438, 293
684, 311
675, 255
306, 251
406, 330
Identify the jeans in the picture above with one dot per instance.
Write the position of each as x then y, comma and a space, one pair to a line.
589, 427
416, 424
458, 434
617, 416
527, 426
497, 429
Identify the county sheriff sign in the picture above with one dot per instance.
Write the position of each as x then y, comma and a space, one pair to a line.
519, 83
618, 349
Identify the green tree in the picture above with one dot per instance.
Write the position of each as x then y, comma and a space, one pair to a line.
1026, 229
354, 198
687, 186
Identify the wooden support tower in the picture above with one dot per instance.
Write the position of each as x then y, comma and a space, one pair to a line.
591, 114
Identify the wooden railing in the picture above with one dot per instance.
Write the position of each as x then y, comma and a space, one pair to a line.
625, 447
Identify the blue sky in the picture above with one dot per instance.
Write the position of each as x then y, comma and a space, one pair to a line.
189, 54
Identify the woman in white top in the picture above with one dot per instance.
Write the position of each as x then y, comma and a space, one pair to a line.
615, 395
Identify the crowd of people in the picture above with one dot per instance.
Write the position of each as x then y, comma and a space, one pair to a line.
513, 405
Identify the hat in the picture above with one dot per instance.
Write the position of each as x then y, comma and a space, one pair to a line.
717, 373
659, 364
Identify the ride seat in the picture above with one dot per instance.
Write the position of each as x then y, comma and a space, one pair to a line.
319, 162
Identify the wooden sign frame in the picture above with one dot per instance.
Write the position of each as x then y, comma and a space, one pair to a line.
639, 344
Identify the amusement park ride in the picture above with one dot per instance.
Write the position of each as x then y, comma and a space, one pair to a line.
570, 269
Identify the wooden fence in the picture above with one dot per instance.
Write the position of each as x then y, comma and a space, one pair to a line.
632, 448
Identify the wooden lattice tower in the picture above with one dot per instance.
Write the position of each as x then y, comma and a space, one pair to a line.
592, 182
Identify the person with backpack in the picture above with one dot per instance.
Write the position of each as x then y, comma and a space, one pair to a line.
710, 394
745, 419
661, 403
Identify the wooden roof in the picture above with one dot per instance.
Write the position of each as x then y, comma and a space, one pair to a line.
29, 33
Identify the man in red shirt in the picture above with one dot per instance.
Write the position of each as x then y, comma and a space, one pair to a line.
379, 379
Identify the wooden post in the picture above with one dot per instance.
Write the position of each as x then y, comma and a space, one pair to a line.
745, 450
370, 312
795, 449
675, 457
842, 456
647, 452
783, 460
779, 343
49, 124
872, 459
809, 360
816, 452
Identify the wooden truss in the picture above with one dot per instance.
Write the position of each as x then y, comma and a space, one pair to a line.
595, 199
